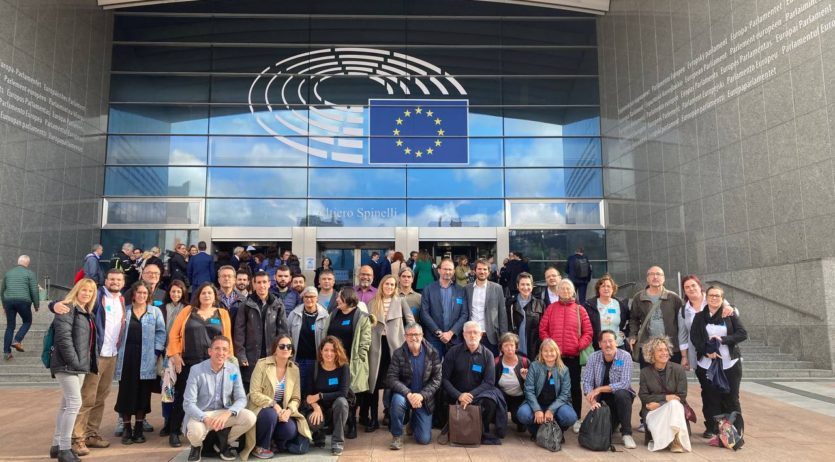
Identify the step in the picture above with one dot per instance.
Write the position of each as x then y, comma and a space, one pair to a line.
752, 350
769, 357
748, 365
760, 374
27, 377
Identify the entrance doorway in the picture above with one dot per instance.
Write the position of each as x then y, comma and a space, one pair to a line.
439, 250
347, 258
223, 250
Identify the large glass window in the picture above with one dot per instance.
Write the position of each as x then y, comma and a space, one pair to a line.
455, 213
371, 213
142, 213
545, 247
553, 182
257, 182
156, 150
255, 212
155, 181
455, 182
347, 182
554, 214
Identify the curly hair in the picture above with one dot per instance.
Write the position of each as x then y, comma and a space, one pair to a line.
648, 350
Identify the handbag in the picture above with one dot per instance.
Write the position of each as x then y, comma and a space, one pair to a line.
549, 436
689, 413
587, 351
465, 425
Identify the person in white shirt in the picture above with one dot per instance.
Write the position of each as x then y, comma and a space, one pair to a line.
486, 302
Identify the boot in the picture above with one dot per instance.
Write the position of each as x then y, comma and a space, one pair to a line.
127, 434
164, 431
351, 428
67, 455
138, 432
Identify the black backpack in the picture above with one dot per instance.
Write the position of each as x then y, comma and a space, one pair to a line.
582, 267
596, 430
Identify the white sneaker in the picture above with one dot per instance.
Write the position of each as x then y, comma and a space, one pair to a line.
577, 426
629, 442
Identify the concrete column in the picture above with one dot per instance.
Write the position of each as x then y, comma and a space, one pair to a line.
406, 240
828, 270
304, 246
502, 244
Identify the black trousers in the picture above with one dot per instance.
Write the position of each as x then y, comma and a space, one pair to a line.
178, 413
573, 365
620, 405
715, 402
513, 403
488, 414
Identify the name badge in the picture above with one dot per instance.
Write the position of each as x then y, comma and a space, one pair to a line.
414, 311
313, 327
506, 370
477, 368
333, 381
233, 377
346, 322
612, 311
619, 362
214, 321
551, 381
459, 301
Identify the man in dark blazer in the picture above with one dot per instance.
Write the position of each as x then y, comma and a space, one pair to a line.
201, 267
486, 303
444, 309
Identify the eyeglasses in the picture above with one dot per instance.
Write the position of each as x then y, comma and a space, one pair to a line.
413, 335
285, 346
310, 296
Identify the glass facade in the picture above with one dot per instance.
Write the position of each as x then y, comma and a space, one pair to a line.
266, 117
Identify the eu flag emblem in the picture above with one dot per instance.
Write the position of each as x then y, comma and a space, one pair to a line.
412, 131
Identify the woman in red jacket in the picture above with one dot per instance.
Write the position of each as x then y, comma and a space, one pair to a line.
568, 324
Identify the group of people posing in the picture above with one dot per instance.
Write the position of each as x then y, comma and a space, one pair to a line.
284, 368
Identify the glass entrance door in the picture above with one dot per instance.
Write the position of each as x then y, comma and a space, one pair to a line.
347, 258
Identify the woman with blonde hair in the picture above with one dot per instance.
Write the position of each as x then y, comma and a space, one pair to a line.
547, 391
73, 355
391, 312
663, 389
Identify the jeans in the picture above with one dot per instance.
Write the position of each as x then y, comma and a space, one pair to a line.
420, 419
70, 404
565, 417
620, 405
305, 373
438, 345
13, 308
716, 402
175, 423
268, 429
94, 392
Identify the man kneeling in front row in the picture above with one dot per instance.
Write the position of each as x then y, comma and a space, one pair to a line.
606, 378
413, 377
215, 400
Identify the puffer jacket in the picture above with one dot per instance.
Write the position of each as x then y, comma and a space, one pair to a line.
560, 323
20, 285
74, 347
256, 328
399, 376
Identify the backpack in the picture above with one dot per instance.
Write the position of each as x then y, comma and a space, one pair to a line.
78, 276
48, 346
582, 268
596, 430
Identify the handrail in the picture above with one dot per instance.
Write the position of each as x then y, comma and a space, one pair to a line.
778, 303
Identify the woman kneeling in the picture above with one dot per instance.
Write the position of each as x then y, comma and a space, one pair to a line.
547, 391
663, 391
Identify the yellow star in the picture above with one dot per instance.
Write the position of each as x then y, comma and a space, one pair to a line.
399, 143
418, 110
429, 150
407, 113
437, 121
429, 113
437, 142
399, 121
441, 132
396, 132
407, 150
418, 154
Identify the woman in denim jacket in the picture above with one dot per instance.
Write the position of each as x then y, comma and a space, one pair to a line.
547, 391
136, 369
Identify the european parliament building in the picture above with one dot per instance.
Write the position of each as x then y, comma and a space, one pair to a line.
691, 134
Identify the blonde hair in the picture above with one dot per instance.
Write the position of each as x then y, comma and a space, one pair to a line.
549, 342
377, 301
648, 350
72, 298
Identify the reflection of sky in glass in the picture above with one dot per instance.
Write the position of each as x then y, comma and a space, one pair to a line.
256, 151
554, 214
553, 182
175, 120
255, 212
155, 181
367, 213
366, 182
240, 121
257, 182
457, 182
166, 150
552, 152
456, 213
127, 212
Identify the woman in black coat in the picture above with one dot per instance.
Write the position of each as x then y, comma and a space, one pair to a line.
608, 312
73, 355
717, 339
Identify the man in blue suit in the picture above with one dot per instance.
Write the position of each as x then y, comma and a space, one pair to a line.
444, 309
201, 267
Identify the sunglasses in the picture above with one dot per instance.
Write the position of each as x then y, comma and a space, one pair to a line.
285, 346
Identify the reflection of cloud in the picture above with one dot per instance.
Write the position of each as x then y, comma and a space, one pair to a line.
261, 182
255, 212
264, 152
536, 214
356, 182
465, 212
181, 157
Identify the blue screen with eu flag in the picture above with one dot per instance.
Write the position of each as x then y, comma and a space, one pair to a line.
418, 131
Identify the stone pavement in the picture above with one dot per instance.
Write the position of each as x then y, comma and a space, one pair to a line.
771, 409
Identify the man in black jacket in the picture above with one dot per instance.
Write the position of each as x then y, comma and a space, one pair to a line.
260, 320
413, 377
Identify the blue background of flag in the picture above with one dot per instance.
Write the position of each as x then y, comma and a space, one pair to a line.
418, 131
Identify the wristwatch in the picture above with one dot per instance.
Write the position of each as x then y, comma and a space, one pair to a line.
234, 413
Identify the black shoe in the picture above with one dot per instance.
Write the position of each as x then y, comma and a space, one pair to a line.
194, 454
147, 427
491, 441
521, 428
174, 441
224, 452
164, 431
138, 433
708, 434
351, 433
67, 456
53, 452
127, 434
372, 426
